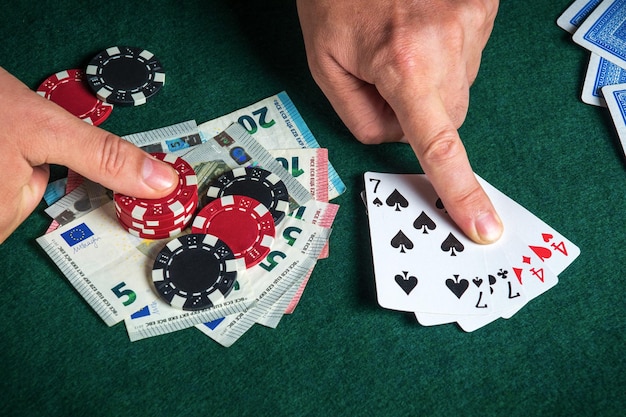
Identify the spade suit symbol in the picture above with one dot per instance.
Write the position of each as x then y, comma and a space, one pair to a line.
458, 287
396, 200
440, 206
452, 244
407, 283
402, 242
424, 223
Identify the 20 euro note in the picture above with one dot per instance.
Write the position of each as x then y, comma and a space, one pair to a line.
276, 124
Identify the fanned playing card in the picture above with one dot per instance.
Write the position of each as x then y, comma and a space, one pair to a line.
615, 96
603, 33
576, 13
600, 73
423, 263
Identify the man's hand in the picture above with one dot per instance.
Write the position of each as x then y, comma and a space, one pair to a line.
400, 70
35, 132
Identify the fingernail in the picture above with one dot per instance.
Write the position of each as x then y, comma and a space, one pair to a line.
489, 227
158, 175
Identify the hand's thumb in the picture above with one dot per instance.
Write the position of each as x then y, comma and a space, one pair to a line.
111, 161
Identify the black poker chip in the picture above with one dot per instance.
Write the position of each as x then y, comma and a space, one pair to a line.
254, 182
195, 271
125, 75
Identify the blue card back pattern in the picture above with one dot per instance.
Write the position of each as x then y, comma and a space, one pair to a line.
584, 12
608, 74
620, 98
609, 31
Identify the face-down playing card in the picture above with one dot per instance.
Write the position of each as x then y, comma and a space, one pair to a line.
576, 13
422, 261
603, 31
615, 96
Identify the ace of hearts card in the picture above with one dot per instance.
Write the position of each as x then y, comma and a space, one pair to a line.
424, 264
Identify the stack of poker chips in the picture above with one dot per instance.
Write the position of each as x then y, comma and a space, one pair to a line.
233, 231
165, 217
120, 75
243, 207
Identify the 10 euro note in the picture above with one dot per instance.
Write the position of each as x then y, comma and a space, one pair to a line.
276, 124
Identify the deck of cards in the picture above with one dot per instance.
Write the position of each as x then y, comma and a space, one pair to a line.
424, 264
600, 27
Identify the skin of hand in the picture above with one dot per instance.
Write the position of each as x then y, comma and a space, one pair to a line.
36, 132
398, 70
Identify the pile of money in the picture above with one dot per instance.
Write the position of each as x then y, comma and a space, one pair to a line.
112, 269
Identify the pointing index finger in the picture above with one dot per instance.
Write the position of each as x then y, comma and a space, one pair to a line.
438, 147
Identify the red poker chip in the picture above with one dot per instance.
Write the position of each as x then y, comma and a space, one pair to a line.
154, 234
171, 206
243, 223
69, 90
163, 223
180, 223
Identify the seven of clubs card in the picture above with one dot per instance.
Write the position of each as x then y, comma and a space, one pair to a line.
424, 264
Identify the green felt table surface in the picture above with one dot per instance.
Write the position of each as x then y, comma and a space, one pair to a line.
527, 132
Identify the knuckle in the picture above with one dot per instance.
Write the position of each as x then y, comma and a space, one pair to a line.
376, 132
479, 10
401, 57
111, 155
469, 197
489, 9
479, 13
369, 133
445, 146
367, 136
